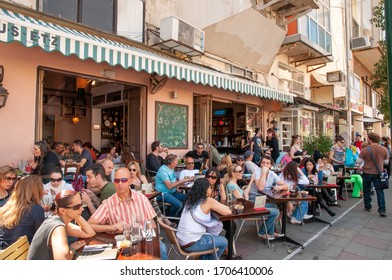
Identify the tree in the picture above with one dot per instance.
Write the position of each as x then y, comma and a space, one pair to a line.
380, 75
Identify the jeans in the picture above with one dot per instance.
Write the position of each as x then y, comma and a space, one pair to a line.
205, 243
368, 179
271, 218
304, 210
163, 250
176, 200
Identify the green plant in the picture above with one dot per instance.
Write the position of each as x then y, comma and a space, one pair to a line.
322, 143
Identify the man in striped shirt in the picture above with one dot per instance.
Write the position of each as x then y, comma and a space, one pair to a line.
118, 209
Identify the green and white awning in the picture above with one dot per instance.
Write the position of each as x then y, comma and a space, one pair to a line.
33, 32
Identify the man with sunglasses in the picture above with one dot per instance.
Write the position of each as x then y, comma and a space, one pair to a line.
117, 210
200, 156
190, 171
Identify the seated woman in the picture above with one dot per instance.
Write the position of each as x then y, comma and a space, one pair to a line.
224, 165
51, 240
293, 176
110, 152
44, 160
7, 180
234, 173
22, 214
317, 177
54, 187
196, 218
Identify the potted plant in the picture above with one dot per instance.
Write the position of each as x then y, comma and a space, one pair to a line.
322, 143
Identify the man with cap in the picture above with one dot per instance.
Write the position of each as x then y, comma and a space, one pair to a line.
249, 165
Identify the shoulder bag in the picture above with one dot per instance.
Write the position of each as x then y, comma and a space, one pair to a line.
383, 175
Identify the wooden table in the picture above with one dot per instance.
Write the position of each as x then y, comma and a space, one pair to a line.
149, 250
313, 189
246, 213
279, 197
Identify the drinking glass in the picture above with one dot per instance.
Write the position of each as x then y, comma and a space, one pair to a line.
148, 230
136, 235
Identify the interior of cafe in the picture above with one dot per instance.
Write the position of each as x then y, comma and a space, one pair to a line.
97, 111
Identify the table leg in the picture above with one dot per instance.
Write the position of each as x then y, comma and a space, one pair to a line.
230, 245
315, 218
284, 220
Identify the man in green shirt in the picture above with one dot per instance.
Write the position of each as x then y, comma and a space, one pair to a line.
99, 188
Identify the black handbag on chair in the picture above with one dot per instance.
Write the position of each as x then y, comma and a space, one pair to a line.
383, 175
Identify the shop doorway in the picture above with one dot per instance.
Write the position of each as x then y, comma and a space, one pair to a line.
75, 106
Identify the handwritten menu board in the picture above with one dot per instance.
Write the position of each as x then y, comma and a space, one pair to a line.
171, 125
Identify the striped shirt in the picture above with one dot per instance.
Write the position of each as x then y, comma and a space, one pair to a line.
114, 210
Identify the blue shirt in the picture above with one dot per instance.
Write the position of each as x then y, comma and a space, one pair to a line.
165, 173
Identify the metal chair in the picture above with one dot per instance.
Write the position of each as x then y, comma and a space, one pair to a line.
170, 233
150, 175
162, 204
17, 250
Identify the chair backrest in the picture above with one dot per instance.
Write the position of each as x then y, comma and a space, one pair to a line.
150, 175
17, 250
170, 233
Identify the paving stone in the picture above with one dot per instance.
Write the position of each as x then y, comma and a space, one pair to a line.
371, 241
366, 251
350, 256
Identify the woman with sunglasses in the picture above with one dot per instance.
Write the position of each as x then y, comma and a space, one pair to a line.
337, 156
7, 180
136, 179
23, 213
234, 174
51, 239
54, 187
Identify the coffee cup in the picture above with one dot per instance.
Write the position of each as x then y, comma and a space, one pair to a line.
304, 193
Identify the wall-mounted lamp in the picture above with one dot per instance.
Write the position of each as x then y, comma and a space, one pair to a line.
368, 127
75, 120
174, 95
3, 91
271, 119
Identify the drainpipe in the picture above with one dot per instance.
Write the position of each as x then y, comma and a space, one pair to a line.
144, 22
388, 29
348, 55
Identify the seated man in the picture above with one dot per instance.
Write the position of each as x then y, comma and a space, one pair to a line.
249, 166
117, 210
108, 166
265, 179
166, 183
200, 156
190, 171
154, 161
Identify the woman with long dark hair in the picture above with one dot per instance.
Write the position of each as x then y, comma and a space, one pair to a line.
196, 218
293, 176
51, 240
272, 142
311, 172
245, 141
44, 160
296, 152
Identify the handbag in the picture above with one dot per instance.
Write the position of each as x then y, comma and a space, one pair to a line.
78, 182
383, 175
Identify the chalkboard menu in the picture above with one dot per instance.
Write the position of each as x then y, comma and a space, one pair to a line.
171, 125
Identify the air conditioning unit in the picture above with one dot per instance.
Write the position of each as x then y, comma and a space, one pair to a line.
175, 29
360, 43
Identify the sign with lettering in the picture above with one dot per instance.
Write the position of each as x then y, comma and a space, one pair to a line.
171, 125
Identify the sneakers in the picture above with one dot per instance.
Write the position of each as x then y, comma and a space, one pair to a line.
295, 221
306, 216
289, 215
263, 236
382, 214
366, 209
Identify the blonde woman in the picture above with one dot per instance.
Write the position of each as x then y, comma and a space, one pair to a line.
136, 179
234, 173
7, 180
23, 213
224, 165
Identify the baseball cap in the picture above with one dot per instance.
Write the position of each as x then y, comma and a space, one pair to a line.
248, 154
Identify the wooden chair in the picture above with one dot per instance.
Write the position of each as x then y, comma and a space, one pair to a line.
17, 250
70, 171
170, 233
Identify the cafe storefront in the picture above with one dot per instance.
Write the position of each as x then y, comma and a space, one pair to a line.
66, 82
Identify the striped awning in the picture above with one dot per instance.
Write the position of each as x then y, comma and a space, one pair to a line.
33, 32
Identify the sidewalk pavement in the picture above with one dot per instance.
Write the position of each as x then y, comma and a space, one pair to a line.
353, 234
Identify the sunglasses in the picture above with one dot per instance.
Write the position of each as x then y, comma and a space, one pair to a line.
10, 178
122, 180
76, 207
211, 177
132, 169
56, 180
